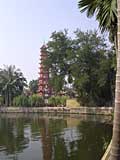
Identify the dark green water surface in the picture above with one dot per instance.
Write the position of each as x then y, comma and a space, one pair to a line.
53, 137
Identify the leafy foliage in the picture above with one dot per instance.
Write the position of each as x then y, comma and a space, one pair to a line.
36, 101
33, 85
86, 63
28, 101
57, 101
96, 76
59, 52
21, 101
12, 83
105, 12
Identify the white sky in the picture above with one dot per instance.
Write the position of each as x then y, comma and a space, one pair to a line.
26, 24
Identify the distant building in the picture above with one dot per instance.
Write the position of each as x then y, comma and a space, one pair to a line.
43, 86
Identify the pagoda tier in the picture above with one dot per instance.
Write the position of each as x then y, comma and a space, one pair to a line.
43, 85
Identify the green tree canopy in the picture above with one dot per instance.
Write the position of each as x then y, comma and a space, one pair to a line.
59, 58
93, 69
12, 83
86, 62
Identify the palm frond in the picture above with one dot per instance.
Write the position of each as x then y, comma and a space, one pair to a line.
104, 10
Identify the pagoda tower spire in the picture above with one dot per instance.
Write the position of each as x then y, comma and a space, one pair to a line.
43, 85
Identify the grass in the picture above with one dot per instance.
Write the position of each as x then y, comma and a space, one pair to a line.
72, 103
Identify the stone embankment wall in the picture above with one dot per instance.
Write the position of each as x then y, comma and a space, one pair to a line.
80, 110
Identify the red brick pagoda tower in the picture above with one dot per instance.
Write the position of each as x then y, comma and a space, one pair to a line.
43, 86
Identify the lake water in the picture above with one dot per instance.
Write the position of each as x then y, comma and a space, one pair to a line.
53, 137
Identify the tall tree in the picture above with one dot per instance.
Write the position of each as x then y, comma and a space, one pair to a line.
59, 51
92, 69
115, 150
12, 83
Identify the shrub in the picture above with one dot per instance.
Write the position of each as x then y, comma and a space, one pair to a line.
21, 101
63, 100
1, 101
36, 101
57, 101
51, 101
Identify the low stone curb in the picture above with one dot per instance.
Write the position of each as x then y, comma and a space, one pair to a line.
80, 110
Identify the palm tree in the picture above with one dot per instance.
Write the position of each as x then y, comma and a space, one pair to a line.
115, 148
11, 83
105, 12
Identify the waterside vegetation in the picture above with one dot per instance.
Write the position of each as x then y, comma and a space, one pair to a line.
38, 101
82, 67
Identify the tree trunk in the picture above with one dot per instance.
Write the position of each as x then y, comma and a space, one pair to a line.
6, 98
115, 148
10, 97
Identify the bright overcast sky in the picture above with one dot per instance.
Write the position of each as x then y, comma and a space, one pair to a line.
26, 24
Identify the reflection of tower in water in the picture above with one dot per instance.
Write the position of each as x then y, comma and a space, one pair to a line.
43, 86
46, 140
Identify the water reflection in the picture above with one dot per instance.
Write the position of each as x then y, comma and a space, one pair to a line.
53, 137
